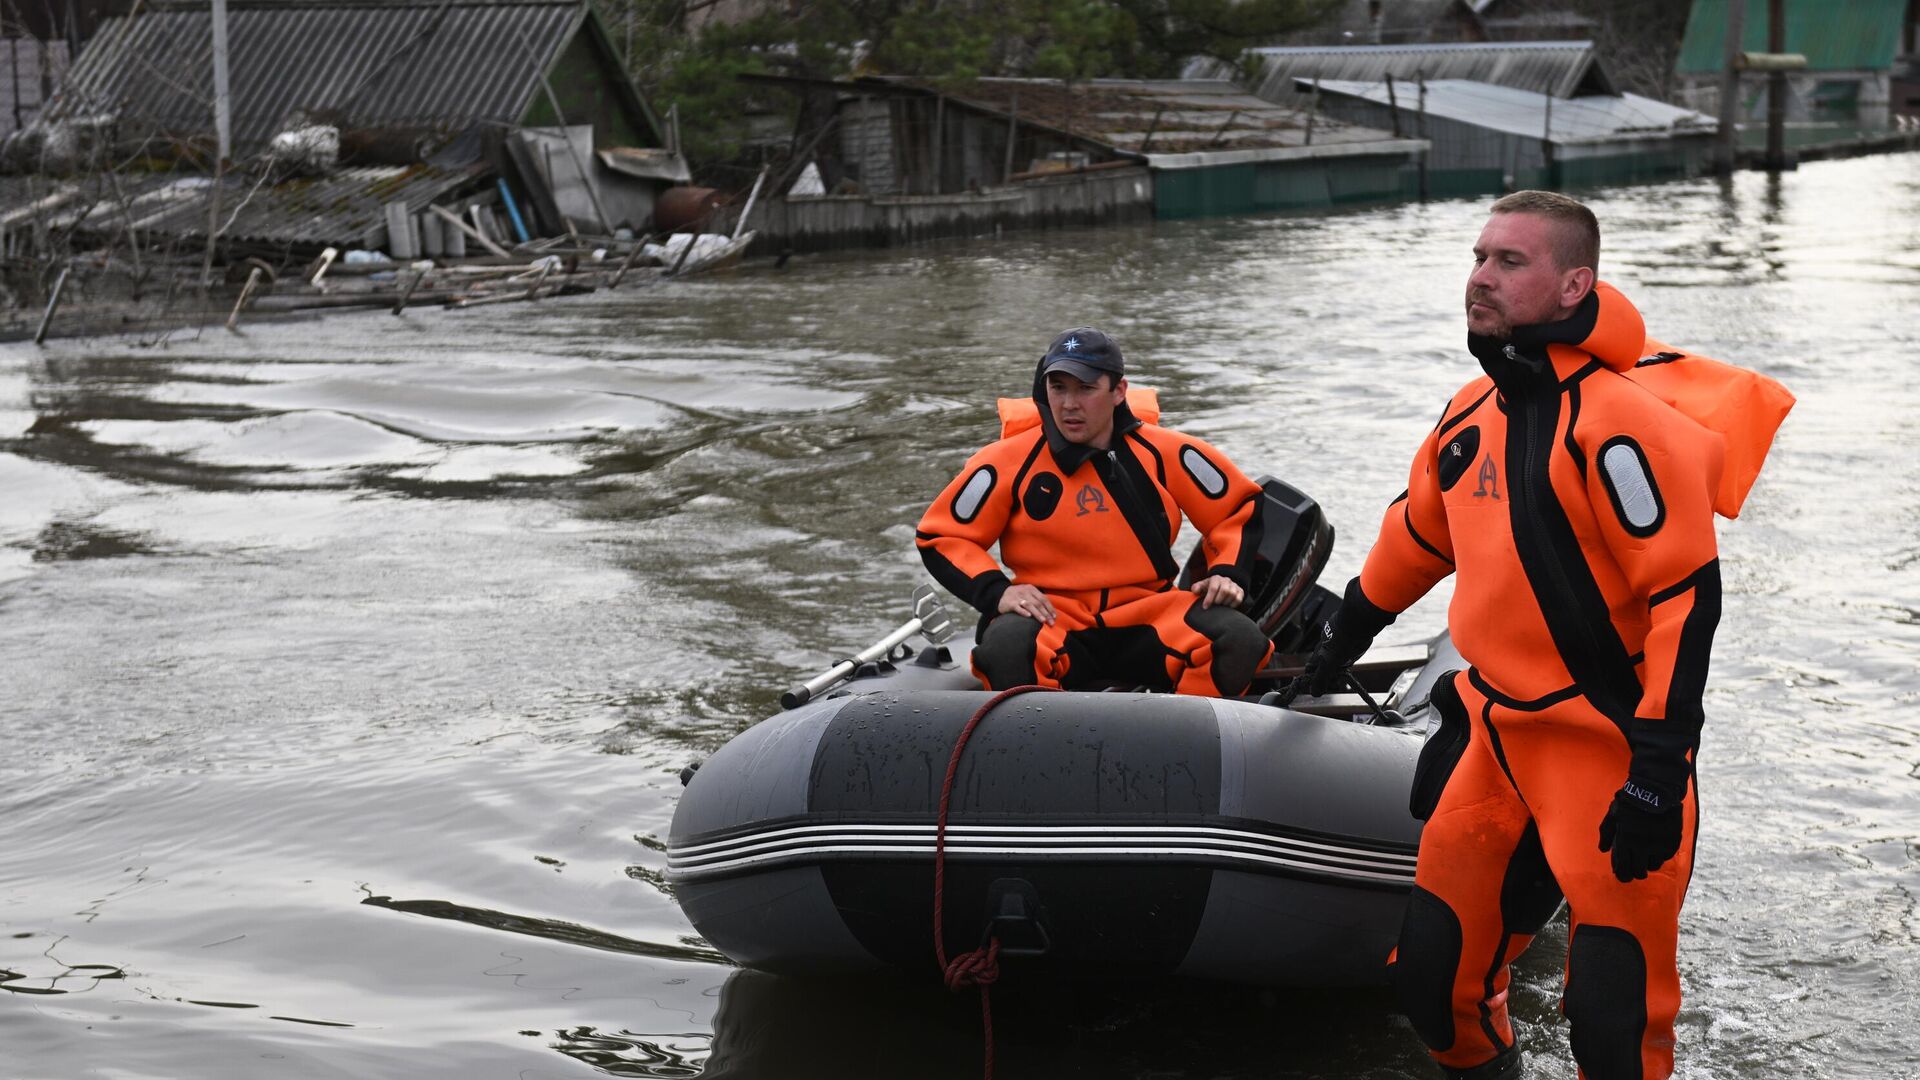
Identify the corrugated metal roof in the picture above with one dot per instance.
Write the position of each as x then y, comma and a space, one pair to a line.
1852, 35
343, 208
1564, 69
1183, 115
1596, 118
23, 61
391, 64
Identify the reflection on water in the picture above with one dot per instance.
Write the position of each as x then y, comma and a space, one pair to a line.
438, 606
623, 1053
768, 1025
552, 929
78, 977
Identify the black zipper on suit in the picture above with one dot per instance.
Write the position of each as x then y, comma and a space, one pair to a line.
1575, 610
1149, 523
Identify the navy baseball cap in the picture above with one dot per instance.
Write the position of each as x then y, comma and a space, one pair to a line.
1085, 354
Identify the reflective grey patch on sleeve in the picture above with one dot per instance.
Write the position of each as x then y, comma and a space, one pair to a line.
1210, 479
1630, 483
966, 505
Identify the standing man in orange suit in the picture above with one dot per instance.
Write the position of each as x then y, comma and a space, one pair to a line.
1575, 506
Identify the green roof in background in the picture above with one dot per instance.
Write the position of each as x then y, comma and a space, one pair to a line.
1835, 35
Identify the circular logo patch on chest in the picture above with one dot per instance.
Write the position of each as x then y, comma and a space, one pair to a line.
1042, 496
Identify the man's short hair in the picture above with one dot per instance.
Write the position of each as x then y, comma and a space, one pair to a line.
1576, 241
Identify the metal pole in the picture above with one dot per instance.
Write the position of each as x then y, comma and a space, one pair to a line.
1422, 77
1422, 132
13, 37
1393, 105
222, 106
1727, 141
1313, 110
1013, 135
1546, 145
939, 143
213, 220
223, 136
1776, 87
53, 305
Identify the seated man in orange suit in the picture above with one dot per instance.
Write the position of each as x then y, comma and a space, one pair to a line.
1085, 505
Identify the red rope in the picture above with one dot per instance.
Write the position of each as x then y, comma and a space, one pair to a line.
980, 967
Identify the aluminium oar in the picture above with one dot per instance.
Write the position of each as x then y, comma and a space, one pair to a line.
930, 620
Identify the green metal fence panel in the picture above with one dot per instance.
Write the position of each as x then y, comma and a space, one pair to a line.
1284, 185
1203, 192
1363, 181
1454, 183
1269, 186
1847, 35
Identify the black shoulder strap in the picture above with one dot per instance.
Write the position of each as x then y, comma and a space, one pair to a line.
1020, 476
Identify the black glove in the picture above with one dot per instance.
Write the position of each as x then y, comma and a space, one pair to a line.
1643, 826
1344, 639
1641, 839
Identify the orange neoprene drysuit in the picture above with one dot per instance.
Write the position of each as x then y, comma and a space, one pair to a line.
1571, 490
1094, 529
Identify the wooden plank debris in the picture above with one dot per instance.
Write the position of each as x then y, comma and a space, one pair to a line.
406, 294
468, 230
246, 293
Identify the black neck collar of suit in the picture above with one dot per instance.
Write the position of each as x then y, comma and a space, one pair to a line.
1521, 362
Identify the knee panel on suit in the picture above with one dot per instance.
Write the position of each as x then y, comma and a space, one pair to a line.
1004, 657
1606, 1002
1423, 970
1238, 645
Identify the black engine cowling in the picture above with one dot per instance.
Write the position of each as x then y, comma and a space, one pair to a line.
1295, 541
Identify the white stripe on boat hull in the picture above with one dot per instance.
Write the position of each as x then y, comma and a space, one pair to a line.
1145, 843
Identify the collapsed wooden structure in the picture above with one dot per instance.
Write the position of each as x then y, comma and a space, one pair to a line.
454, 131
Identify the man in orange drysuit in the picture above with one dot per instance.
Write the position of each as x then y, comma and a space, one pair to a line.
1576, 509
1085, 505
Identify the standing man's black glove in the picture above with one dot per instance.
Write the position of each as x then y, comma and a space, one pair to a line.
1344, 639
1643, 826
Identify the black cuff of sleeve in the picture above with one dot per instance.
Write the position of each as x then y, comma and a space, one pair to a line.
1361, 616
1661, 764
1234, 574
988, 590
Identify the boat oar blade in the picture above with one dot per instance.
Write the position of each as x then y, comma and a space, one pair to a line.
935, 624
938, 629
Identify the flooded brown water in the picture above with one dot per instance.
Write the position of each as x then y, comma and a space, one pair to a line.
346, 667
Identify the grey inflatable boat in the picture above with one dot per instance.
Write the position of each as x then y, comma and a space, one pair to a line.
1095, 834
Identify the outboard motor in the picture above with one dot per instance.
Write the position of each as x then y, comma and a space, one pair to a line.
1295, 540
